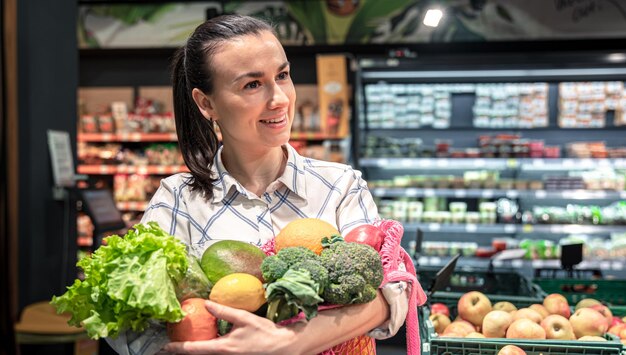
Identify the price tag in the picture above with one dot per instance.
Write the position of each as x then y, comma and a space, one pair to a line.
487, 193
601, 194
471, 228
568, 163
538, 162
517, 263
435, 260
383, 163
160, 169
107, 137
604, 162
434, 227
425, 163
537, 264
527, 228
622, 194
406, 163
541, 194
423, 260
617, 265
411, 192
498, 263
142, 170
509, 228
135, 137
123, 169
480, 163
104, 169
512, 194
587, 163
429, 192
460, 193
442, 163
556, 229
511, 163
605, 265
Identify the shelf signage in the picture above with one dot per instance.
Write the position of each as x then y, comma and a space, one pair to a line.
62, 158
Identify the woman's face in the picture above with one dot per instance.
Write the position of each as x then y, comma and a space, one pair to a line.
253, 98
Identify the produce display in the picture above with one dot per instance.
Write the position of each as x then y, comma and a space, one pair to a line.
474, 316
148, 276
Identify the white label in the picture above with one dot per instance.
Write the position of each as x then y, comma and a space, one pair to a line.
487, 193
434, 227
517, 263
425, 163
537, 264
429, 192
497, 263
538, 162
462, 193
471, 228
61, 157
512, 194
509, 228
383, 162
480, 162
406, 163
622, 194
605, 265
556, 229
411, 192
617, 265
541, 194
161, 169
435, 260
442, 163
568, 163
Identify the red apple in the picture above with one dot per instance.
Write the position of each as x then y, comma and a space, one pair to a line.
496, 323
557, 304
558, 327
616, 320
586, 302
367, 234
473, 306
525, 329
511, 350
587, 321
504, 306
198, 323
439, 308
622, 334
461, 328
606, 312
539, 308
440, 322
474, 335
528, 314
591, 338
617, 329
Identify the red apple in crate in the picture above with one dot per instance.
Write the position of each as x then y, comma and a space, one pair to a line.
475, 335
616, 320
496, 323
461, 328
367, 234
558, 327
587, 321
511, 350
473, 307
525, 329
591, 338
616, 329
528, 314
557, 304
440, 322
622, 334
439, 308
198, 323
504, 306
606, 312
539, 308
586, 302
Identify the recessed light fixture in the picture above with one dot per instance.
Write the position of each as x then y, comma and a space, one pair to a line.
616, 57
432, 17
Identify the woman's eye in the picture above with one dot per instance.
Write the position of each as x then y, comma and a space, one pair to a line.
252, 85
283, 76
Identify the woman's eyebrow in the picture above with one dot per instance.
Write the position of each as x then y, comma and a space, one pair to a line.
258, 74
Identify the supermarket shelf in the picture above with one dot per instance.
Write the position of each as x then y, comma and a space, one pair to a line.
475, 262
496, 193
514, 228
130, 169
526, 164
127, 137
132, 205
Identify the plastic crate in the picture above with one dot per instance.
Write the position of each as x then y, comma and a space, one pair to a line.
468, 346
612, 292
492, 283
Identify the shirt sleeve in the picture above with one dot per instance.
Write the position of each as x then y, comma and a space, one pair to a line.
358, 208
169, 210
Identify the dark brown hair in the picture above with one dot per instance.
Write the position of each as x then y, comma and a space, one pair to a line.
191, 68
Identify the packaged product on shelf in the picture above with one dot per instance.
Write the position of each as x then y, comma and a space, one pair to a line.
88, 124
105, 123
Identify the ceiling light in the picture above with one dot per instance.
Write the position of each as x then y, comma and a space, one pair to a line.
616, 57
432, 17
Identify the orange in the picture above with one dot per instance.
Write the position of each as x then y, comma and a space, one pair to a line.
305, 232
239, 290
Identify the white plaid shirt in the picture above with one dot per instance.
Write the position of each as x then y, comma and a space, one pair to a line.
333, 192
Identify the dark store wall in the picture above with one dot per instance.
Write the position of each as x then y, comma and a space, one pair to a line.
48, 79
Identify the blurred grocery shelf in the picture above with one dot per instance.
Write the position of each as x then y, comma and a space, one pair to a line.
496, 193
515, 228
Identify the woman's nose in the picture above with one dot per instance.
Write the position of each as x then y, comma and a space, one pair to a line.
279, 97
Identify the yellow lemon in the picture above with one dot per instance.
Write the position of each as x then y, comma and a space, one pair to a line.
239, 290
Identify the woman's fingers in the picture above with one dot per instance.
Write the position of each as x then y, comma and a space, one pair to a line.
232, 315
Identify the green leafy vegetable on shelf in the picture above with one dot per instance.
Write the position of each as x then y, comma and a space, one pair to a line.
127, 282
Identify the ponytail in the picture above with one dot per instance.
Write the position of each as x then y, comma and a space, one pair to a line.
196, 136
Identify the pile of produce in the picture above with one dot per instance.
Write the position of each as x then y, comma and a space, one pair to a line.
147, 275
589, 320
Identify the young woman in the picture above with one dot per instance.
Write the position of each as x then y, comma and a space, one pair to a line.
233, 73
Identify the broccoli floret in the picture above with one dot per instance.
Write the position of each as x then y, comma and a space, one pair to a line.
273, 268
294, 255
318, 272
354, 273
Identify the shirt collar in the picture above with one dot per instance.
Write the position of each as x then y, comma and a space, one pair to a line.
293, 177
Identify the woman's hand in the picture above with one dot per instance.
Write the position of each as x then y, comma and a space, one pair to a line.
250, 334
